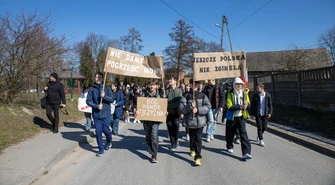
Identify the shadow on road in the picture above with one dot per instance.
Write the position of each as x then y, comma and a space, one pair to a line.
41, 123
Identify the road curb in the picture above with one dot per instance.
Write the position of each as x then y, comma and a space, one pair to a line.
308, 142
84, 140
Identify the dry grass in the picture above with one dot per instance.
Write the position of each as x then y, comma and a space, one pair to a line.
16, 125
305, 119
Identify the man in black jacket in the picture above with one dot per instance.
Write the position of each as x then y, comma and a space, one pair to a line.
261, 110
217, 99
55, 98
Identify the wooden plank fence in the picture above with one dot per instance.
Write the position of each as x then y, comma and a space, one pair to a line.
312, 89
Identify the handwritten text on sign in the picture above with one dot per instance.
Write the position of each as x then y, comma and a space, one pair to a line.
151, 109
219, 65
131, 64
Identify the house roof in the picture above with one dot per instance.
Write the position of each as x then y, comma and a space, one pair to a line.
66, 74
273, 60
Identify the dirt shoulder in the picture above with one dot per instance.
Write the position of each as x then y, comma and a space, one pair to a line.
24, 119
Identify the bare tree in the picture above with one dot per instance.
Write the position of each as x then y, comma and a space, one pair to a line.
27, 50
124, 43
295, 60
178, 56
327, 40
203, 46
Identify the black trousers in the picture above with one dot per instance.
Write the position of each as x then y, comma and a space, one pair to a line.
172, 123
151, 136
55, 118
195, 141
238, 124
262, 123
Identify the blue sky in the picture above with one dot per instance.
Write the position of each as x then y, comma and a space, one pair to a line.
275, 27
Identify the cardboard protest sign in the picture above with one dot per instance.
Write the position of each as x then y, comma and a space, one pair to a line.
82, 106
151, 109
219, 65
130, 64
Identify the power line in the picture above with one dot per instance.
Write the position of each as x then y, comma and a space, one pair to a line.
234, 6
189, 20
245, 3
265, 4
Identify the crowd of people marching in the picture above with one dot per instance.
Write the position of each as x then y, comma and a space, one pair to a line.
195, 106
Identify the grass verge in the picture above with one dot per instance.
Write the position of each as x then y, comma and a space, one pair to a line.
24, 119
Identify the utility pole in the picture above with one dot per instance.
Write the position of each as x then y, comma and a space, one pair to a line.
225, 21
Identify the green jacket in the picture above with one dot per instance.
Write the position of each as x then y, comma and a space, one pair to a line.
231, 103
174, 97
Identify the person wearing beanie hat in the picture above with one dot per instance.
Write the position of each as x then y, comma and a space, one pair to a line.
237, 112
55, 98
54, 75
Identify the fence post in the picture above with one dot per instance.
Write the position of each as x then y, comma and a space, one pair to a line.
273, 88
255, 83
299, 89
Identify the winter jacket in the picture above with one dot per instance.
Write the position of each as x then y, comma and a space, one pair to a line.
256, 104
203, 106
126, 100
173, 96
219, 99
55, 93
232, 106
93, 100
119, 102
133, 99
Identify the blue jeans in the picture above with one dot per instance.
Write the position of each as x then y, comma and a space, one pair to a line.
211, 125
102, 125
115, 123
88, 117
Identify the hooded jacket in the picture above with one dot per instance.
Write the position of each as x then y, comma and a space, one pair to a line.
203, 105
93, 100
55, 93
231, 101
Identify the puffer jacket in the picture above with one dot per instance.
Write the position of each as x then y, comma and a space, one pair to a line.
93, 100
203, 105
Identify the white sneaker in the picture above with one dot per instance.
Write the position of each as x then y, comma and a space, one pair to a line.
246, 156
212, 137
231, 151
126, 120
261, 143
138, 121
135, 120
208, 139
237, 141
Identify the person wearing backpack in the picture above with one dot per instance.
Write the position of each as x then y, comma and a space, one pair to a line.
55, 98
195, 112
101, 111
237, 112
118, 113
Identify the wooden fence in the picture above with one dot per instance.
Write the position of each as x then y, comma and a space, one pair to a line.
312, 89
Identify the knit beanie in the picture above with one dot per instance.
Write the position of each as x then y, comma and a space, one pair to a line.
55, 75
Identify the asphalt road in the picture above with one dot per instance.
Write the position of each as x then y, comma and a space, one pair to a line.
128, 162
